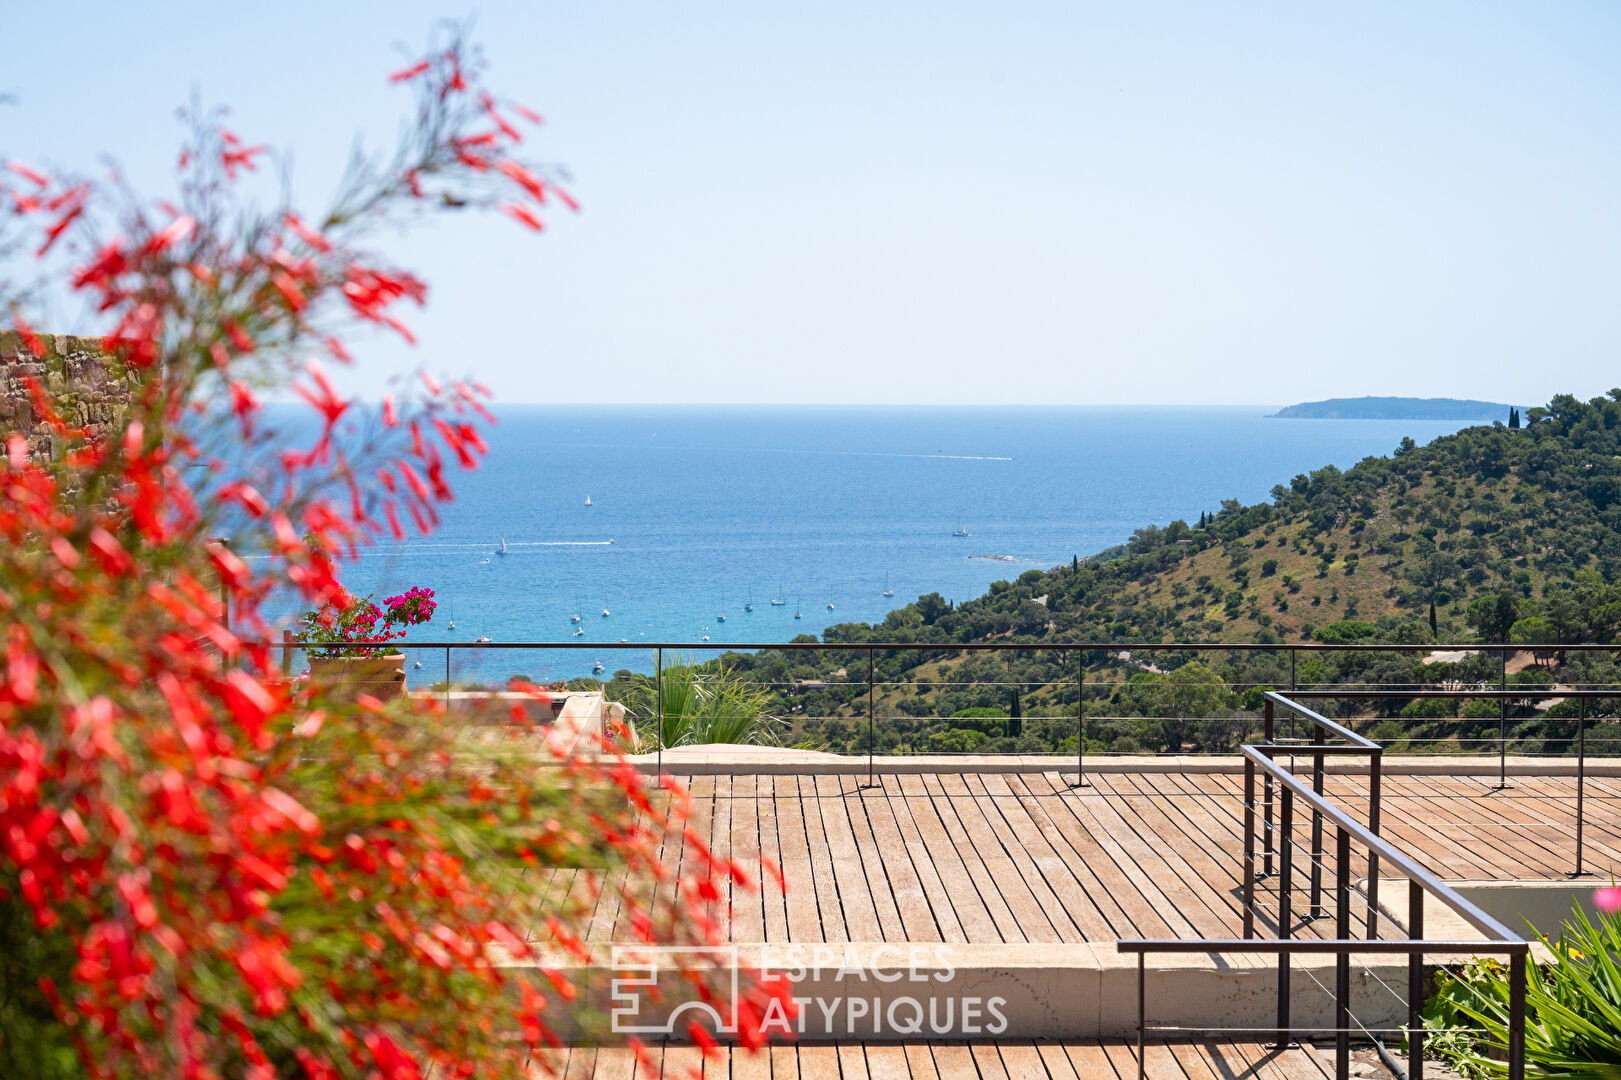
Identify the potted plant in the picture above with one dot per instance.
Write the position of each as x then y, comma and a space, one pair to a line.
348, 643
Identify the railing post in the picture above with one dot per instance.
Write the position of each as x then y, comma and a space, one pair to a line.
1516, 1017
1285, 883
872, 734
1581, 781
1502, 729
1267, 838
1080, 720
1318, 736
287, 654
1415, 983
1375, 774
1342, 961
447, 680
1142, 1016
658, 697
1249, 846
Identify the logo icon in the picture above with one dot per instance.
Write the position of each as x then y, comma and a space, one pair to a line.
638, 968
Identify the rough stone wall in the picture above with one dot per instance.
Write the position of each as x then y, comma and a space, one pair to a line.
88, 391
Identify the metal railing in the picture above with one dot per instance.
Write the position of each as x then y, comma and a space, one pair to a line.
1262, 757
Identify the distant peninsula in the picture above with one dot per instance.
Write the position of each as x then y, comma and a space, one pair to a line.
1396, 408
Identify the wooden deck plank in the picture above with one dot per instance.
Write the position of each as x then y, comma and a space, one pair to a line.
1030, 921
748, 905
1072, 908
808, 920
891, 876
775, 900
980, 909
1022, 1061
855, 891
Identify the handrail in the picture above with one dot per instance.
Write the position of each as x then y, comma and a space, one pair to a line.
1322, 721
1421, 883
1403, 864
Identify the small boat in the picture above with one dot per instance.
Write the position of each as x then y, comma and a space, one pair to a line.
580, 632
418, 663
780, 601
606, 613
962, 530
830, 605
887, 590
588, 500
797, 614
597, 668
576, 616
484, 638
706, 637
722, 616
503, 549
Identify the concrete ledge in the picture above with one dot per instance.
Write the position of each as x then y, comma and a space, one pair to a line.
745, 760
866, 991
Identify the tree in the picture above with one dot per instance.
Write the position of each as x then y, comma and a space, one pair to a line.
1492, 616
1406, 446
225, 872
1514, 419
1434, 633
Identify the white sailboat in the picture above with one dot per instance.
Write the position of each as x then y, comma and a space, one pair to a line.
503, 548
887, 590
588, 500
962, 530
797, 613
781, 600
722, 616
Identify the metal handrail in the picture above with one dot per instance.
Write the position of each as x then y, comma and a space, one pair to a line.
1421, 883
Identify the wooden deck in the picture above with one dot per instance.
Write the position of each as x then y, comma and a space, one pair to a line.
985, 858
1205, 1059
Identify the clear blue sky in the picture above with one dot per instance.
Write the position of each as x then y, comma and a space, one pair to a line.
947, 202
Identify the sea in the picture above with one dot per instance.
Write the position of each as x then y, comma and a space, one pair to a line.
668, 523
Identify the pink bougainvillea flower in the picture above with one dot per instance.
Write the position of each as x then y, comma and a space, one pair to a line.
1607, 899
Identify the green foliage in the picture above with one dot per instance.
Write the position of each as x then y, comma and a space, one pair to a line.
701, 704
1573, 1009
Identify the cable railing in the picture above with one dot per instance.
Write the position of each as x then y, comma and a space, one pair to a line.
1271, 852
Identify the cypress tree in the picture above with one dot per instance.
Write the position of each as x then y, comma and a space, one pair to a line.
1075, 563
1514, 418
1433, 633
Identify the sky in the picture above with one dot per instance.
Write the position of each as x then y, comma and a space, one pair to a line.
931, 203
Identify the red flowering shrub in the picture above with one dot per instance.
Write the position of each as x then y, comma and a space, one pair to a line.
205, 870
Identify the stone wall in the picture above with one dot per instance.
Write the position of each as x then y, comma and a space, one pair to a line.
88, 391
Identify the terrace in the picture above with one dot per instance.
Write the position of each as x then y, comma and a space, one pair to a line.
1270, 912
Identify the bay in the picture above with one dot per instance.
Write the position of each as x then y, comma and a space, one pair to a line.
697, 511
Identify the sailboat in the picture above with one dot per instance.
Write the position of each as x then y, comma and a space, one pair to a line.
750, 605
781, 600
597, 668
503, 549
962, 530
579, 631
588, 500
453, 618
797, 613
830, 605
887, 590
722, 616
576, 616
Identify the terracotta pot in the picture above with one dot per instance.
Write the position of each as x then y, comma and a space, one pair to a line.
347, 677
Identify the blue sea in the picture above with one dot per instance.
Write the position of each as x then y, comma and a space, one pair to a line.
696, 512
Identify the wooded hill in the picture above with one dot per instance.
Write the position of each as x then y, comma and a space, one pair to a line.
1512, 536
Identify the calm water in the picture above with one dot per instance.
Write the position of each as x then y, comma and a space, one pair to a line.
710, 508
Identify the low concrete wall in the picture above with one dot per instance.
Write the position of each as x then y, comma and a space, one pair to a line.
730, 760
866, 991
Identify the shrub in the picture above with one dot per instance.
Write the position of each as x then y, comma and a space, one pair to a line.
1573, 1007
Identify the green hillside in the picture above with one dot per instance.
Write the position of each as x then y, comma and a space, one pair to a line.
1512, 536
